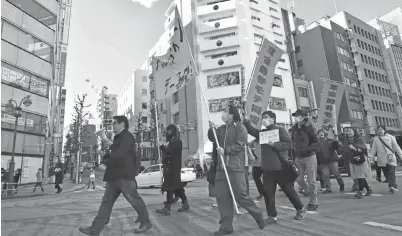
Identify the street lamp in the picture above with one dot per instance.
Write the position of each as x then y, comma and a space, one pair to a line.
12, 108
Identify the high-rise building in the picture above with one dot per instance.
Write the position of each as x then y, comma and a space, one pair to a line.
28, 32
107, 108
345, 49
224, 37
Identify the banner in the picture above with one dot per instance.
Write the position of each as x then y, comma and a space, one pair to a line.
258, 96
332, 93
174, 69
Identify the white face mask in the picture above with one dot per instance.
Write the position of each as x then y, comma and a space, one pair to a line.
266, 122
225, 117
299, 119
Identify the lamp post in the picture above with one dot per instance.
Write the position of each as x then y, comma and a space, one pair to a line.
12, 108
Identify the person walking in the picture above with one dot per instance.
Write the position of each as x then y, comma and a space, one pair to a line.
305, 143
121, 169
91, 179
58, 180
256, 172
232, 138
355, 151
171, 162
274, 155
328, 159
39, 180
386, 148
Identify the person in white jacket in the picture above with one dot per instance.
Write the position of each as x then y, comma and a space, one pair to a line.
386, 148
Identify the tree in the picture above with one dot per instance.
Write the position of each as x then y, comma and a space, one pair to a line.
137, 129
153, 130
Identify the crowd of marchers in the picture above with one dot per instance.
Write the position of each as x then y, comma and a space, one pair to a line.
301, 154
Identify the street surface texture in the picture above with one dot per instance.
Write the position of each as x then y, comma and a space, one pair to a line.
338, 214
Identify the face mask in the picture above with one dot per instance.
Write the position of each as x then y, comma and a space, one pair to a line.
299, 119
266, 122
225, 117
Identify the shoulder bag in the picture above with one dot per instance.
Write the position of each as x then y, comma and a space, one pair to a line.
389, 148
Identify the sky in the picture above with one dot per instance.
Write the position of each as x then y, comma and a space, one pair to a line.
109, 39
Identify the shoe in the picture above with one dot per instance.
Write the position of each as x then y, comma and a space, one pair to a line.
378, 179
271, 220
312, 207
369, 192
144, 227
300, 214
184, 207
223, 232
260, 197
164, 211
261, 223
327, 191
88, 231
108, 224
359, 195
214, 205
393, 190
342, 188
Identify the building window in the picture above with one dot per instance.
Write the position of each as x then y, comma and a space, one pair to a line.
254, 1
144, 105
354, 98
255, 18
144, 92
144, 119
357, 115
175, 98
176, 118
278, 81
227, 54
221, 36
144, 78
282, 60
297, 49
278, 42
303, 92
273, 9
300, 63
36, 11
26, 42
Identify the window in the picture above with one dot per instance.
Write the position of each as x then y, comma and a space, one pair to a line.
297, 49
354, 98
36, 11
175, 98
150, 169
282, 60
254, 1
278, 42
357, 115
144, 92
300, 63
303, 92
144, 119
222, 36
144, 105
144, 78
273, 9
227, 54
27, 42
176, 118
255, 18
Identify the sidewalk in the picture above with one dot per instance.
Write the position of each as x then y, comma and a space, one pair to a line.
27, 190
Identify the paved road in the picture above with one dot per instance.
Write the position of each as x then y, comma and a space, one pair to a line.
339, 214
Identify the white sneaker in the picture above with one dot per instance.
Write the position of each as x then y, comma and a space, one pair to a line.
215, 205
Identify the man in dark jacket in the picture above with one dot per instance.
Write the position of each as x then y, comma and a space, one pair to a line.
305, 145
121, 169
328, 162
273, 158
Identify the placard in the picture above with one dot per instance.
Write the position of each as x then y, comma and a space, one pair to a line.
269, 136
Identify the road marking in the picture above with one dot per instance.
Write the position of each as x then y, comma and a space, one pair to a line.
393, 227
291, 208
374, 194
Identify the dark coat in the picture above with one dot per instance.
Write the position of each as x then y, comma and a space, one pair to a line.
327, 153
123, 162
271, 156
305, 139
172, 165
358, 143
59, 178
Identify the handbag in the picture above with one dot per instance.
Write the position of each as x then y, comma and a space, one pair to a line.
358, 158
395, 153
289, 165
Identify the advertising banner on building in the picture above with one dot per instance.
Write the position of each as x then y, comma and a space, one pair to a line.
174, 69
63, 62
331, 98
261, 82
218, 105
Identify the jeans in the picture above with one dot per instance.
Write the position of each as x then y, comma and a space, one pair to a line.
246, 169
225, 202
308, 166
391, 176
281, 178
326, 171
378, 171
113, 190
257, 173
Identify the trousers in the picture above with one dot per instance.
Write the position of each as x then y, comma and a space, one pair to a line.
257, 174
308, 166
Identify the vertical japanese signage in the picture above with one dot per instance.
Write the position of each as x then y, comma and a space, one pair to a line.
262, 81
63, 62
243, 83
331, 97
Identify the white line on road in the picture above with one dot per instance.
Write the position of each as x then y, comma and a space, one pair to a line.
291, 208
374, 195
393, 227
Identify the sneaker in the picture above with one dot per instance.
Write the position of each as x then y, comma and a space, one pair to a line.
214, 205
88, 231
300, 214
261, 223
271, 220
369, 192
260, 197
327, 191
144, 227
393, 189
359, 195
312, 207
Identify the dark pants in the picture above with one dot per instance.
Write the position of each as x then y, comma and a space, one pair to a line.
180, 193
390, 170
362, 183
93, 184
247, 183
281, 178
57, 186
224, 198
113, 190
257, 174
378, 171
38, 184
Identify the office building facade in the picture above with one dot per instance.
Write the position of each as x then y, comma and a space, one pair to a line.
106, 108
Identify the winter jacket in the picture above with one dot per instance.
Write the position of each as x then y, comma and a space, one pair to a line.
232, 138
327, 153
271, 154
172, 165
384, 155
358, 143
39, 177
305, 139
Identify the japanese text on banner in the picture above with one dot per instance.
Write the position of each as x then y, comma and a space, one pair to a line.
331, 97
261, 82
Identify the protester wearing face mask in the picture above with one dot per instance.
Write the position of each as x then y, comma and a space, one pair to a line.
232, 140
274, 157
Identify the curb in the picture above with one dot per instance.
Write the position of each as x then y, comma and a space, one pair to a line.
41, 195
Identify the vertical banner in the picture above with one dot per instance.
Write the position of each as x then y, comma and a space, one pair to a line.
261, 82
242, 84
63, 62
331, 97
